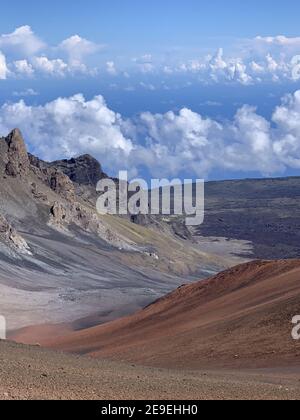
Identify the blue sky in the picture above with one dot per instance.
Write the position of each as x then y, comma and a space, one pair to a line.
143, 23
165, 88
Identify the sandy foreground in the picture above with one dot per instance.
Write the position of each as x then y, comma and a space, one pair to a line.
33, 373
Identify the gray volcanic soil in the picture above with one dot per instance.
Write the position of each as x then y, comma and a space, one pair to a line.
70, 279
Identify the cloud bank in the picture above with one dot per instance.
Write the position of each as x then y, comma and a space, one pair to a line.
168, 144
23, 54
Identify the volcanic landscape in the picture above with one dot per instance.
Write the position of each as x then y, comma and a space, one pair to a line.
113, 307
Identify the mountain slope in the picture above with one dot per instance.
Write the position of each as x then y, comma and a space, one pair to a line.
241, 317
60, 260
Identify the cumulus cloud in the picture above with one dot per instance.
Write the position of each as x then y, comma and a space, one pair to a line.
3, 67
232, 69
188, 142
287, 119
26, 55
78, 48
69, 126
23, 68
218, 68
22, 42
269, 66
169, 144
258, 60
56, 67
177, 143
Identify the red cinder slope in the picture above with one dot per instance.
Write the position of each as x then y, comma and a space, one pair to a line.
239, 318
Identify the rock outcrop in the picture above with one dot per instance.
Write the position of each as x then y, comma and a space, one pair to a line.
73, 183
61, 184
10, 236
63, 216
53, 177
83, 170
18, 163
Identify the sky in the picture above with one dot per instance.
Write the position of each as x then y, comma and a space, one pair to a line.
189, 89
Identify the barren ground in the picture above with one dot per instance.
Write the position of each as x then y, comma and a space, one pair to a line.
34, 373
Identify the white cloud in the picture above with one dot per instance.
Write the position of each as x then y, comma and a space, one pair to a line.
27, 55
269, 67
26, 92
78, 48
280, 40
21, 42
55, 67
218, 62
219, 68
167, 144
3, 67
68, 127
256, 68
186, 141
261, 59
111, 68
145, 63
23, 68
178, 142
287, 119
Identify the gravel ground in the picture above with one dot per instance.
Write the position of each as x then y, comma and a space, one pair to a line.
34, 373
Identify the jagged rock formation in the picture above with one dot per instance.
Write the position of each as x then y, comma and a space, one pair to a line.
84, 170
17, 158
53, 177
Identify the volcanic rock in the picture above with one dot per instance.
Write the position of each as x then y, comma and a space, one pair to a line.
84, 170
18, 161
10, 236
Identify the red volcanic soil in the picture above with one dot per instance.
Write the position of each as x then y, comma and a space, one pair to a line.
239, 318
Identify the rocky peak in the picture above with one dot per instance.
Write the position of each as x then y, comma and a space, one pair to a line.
17, 156
84, 170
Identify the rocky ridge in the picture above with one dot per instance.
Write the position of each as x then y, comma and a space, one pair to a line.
64, 178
